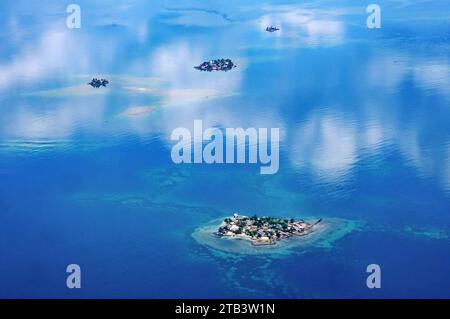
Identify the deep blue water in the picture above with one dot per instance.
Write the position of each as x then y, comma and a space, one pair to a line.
364, 117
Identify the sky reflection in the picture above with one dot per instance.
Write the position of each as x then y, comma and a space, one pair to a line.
383, 99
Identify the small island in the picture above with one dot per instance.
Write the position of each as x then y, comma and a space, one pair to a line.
216, 65
97, 83
272, 29
275, 236
264, 230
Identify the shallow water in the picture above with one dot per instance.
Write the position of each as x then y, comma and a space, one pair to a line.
86, 175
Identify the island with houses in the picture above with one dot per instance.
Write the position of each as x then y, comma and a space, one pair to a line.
216, 65
262, 231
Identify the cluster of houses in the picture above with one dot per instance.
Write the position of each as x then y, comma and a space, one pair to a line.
263, 230
216, 65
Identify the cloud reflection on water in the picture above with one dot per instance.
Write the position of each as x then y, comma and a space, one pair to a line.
161, 74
